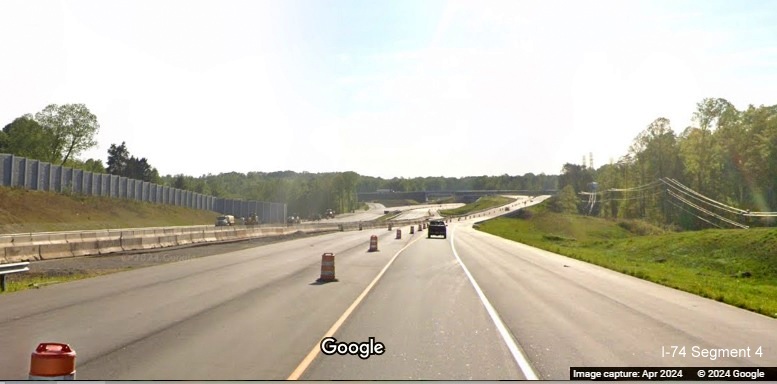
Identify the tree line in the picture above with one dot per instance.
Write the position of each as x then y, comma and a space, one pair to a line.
57, 134
60, 133
726, 155
310, 193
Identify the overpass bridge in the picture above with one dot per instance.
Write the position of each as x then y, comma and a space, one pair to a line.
462, 195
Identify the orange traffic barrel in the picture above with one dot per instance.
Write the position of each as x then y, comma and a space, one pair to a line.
373, 243
53, 361
327, 267
399, 233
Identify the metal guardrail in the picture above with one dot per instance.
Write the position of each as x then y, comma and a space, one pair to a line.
6, 269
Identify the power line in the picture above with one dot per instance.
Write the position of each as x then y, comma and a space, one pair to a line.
721, 218
696, 197
632, 198
724, 206
690, 213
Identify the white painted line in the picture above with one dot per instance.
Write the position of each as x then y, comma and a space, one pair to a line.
518, 356
317, 348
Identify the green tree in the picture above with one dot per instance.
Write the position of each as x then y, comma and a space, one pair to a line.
122, 164
95, 166
90, 165
118, 159
656, 155
566, 201
138, 168
25, 137
73, 128
181, 181
576, 176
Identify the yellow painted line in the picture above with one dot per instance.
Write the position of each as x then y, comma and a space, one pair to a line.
317, 348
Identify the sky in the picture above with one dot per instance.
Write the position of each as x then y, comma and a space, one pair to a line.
400, 88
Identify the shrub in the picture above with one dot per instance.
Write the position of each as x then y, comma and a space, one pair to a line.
640, 228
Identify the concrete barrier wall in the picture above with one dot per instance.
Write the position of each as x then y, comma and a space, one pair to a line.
5, 242
21, 249
88, 245
57, 247
197, 237
53, 245
109, 242
131, 240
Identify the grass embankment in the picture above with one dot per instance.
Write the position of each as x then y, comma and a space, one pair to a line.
22, 281
482, 203
737, 267
34, 211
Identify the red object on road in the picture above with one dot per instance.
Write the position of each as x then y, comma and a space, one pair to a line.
53, 361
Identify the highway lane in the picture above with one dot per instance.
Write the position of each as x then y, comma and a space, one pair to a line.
564, 312
423, 211
408, 212
430, 320
375, 211
249, 314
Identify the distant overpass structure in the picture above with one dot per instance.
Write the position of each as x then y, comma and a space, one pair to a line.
463, 195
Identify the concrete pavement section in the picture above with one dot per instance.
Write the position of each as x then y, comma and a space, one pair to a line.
431, 322
249, 314
565, 312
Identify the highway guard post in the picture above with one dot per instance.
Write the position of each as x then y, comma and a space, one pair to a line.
5, 269
373, 243
327, 267
53, 361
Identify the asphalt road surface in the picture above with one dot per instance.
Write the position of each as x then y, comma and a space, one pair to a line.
472, 306
375, 211
409, 212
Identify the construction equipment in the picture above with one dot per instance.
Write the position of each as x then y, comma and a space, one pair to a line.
253, 219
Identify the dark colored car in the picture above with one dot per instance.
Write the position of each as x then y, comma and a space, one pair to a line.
437, 228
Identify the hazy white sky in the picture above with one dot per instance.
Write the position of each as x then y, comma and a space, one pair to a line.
383, 88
